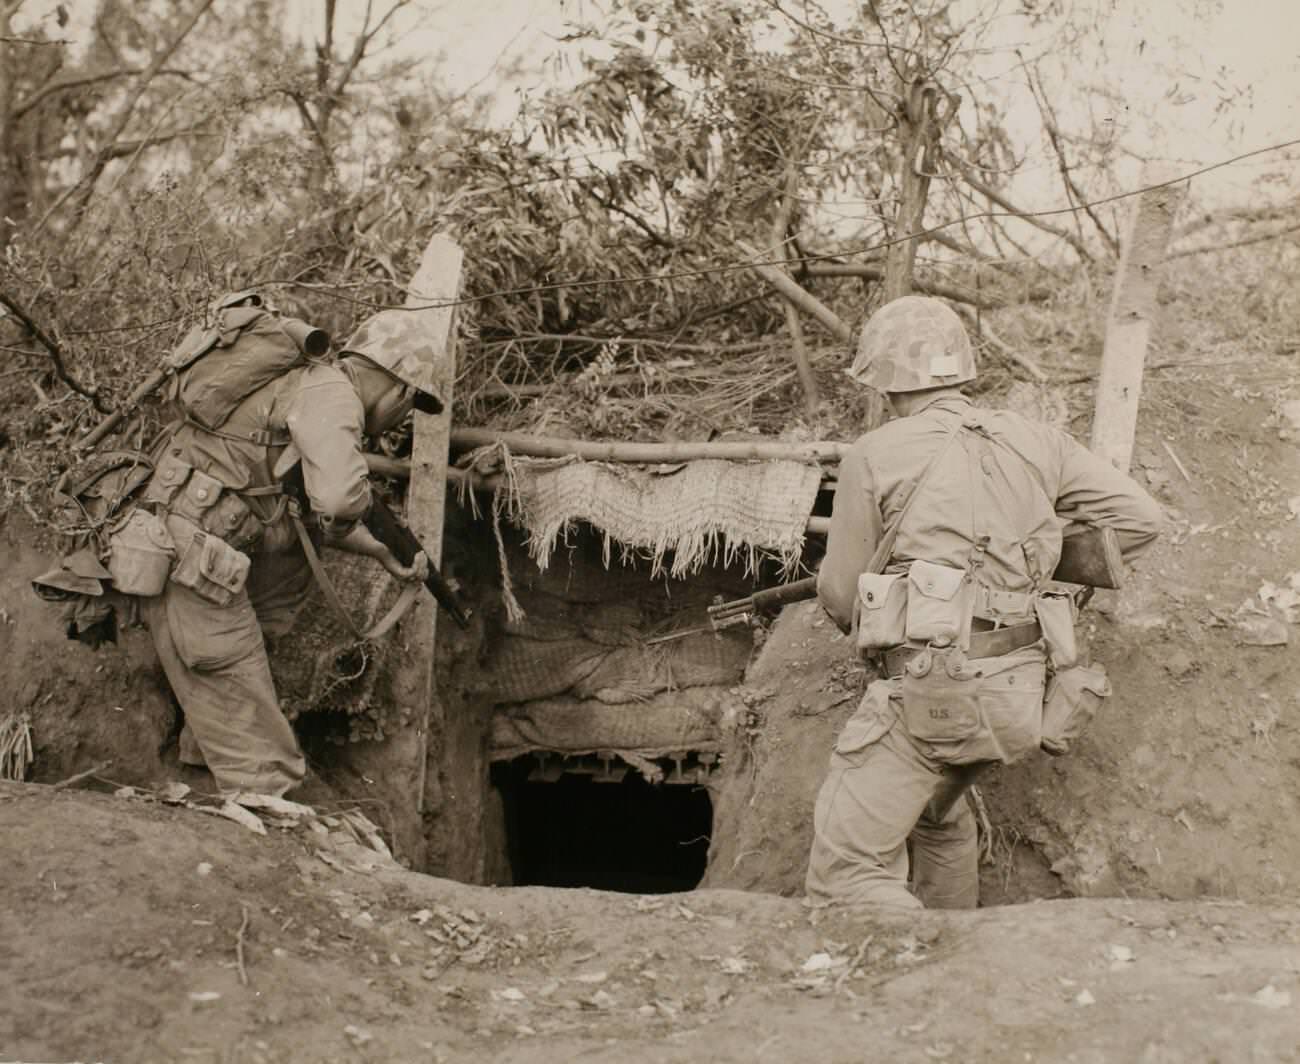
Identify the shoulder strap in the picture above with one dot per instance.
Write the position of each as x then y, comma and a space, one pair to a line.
404, 601
886, 545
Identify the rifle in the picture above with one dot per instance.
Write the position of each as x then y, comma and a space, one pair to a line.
1091, 558
384, 526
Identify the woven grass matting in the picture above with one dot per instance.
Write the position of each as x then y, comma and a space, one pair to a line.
701, 512
321, 666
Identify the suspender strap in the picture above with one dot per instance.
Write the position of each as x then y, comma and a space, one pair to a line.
381, 627
886, 545
260, 437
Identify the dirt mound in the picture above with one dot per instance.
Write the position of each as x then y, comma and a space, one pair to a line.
149, 933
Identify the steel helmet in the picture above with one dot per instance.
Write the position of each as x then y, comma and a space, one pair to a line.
396, 342
913, 343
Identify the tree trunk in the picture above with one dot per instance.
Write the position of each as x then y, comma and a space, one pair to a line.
919, 128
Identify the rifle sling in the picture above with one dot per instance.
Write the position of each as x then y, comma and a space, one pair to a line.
381, 627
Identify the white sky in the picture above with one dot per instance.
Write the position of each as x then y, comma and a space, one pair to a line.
1170, 60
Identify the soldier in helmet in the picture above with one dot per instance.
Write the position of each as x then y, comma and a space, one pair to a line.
959, 618
222, 487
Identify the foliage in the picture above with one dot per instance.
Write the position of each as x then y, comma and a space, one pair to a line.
195, 147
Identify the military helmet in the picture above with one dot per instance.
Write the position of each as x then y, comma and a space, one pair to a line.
913, 343
397, 342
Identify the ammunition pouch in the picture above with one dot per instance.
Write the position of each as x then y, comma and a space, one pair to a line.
880, 616
1056, 615
179, 488
208, 566
939, 604
1073, 697
168, 479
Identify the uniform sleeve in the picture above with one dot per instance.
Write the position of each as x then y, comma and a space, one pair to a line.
325, 422
854, 533
1094, 492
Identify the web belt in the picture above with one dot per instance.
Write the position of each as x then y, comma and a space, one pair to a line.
990, 644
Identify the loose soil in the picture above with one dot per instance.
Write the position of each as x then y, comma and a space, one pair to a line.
138, 932
1141, 892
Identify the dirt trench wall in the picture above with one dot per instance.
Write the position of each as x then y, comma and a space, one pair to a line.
801, 688
84, 707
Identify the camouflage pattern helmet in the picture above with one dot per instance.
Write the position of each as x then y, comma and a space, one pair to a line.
913, 343
396, 342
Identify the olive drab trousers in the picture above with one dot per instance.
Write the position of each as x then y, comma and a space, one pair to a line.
215, 658
882, 777
872, 802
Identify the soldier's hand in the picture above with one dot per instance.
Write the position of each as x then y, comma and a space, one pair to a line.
416, 572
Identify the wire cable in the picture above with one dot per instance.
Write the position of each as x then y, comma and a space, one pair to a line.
706, 271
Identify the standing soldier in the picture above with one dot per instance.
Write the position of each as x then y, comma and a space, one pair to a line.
963, 509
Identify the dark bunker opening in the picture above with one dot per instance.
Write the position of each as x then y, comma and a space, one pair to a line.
610, 830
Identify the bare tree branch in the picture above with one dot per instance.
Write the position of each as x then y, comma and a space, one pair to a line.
1258, 238
85, 187
21, 314
997, 198
1067, 177
877, 273
67, 85
28, 40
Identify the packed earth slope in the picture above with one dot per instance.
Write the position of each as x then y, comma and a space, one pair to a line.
135, 931
1186, 784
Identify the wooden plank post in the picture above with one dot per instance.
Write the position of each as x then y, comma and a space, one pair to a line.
436, 282
1132, 315
394, 769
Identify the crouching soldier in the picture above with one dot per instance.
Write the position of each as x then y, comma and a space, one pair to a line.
946, 530
237, 570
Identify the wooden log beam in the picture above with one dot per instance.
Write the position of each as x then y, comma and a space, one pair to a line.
1132, 315
799, 296
606, 451
877, 273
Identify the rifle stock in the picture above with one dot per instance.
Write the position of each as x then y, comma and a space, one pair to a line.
1091, 558
384, 526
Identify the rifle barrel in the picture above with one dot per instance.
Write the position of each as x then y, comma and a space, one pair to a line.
142, 392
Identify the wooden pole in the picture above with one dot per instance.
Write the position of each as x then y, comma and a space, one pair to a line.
800, 297
1132, 316
437, 280
397, 766
685, 450
780, 227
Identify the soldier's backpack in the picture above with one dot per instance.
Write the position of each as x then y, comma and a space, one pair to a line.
220, 364
216, 366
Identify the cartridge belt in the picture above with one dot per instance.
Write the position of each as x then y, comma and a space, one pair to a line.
990, 644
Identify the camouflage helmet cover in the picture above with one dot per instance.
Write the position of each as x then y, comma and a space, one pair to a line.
395, 342
913, 343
